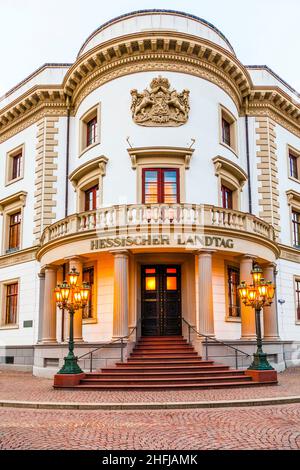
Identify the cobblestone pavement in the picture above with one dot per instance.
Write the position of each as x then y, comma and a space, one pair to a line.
24, 387
272, 427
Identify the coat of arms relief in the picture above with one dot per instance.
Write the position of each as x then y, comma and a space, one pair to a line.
160, 106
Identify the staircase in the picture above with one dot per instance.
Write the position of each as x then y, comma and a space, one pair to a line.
165, 363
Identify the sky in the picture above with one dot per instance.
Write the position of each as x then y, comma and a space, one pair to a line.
33, 32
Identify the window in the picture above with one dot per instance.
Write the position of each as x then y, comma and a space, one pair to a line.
91, 134
11, 303
233, 280
297, 296
225, 132
89, 128
296, 228
15, 165
91, 196
293, 166
88, 312
228, 129
226, 197
160, 185
14, 232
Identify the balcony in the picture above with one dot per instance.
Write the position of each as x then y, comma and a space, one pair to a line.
136, 218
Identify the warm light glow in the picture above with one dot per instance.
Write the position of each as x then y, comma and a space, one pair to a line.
77, 296
85, 292
262, 288
73, 277
150, 283
57, 292
65, 291
252, 294
171, 283
243, 290
256, 274
270, 291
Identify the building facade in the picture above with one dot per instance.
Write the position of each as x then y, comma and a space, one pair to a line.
162, 168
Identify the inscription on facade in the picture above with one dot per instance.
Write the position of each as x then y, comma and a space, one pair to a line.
187, 241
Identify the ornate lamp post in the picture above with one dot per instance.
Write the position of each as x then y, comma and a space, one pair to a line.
258, 295
71, 297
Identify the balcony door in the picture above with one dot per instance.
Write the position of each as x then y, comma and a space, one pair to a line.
161, 186
161, 300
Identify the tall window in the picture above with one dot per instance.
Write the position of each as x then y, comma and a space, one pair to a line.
91, 195
161, 185
293, 163
91, 130
296, 228
297, 292
233, 278
226, 132
14, 231
88, 276
11, 303
226, 194
16, 166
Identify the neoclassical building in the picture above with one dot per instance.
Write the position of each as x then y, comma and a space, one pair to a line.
161, 168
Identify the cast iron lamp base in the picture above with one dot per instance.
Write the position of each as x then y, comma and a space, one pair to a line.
70, 366
260, 362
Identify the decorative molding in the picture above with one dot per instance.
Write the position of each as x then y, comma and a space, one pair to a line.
86, 168
184, 153
293, 198
161, 106
268, 172
19, 197
45, 172
21, 256
224, 165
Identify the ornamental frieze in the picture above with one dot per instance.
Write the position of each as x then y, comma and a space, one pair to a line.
160, 106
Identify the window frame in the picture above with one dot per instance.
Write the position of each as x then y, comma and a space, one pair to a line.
19, 150
94, 189
92, 113
3, 290
226, 190
228, 116
295, 153
229, 318
94, 318
161, 184
11, 230
9, 206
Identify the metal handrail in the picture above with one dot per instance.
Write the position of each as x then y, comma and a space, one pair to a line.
121, 339
236, 350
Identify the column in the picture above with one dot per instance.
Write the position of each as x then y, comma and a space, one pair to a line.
41, 305
205, 294
76, 262
49, 307
121, 287
247, 313
270, 313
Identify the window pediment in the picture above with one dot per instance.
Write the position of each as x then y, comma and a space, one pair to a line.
293, 198
224, 167
95, 166
17, 198
159, 155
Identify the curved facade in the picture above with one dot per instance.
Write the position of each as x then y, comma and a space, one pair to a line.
161, 168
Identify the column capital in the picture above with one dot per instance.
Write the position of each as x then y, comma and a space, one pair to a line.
49, 267
205, 251
41, 275
120, 253
247, 256
74, 258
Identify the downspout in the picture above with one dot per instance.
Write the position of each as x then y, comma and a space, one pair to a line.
67, 157
248, 154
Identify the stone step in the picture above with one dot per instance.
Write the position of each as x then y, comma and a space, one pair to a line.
123, 374
172, 386
163, 380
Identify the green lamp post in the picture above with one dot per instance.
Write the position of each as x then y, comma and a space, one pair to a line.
71, 297
257, 295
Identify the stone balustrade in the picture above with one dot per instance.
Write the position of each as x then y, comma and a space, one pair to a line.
138, 216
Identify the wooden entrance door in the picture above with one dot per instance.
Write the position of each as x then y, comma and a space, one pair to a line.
161, 300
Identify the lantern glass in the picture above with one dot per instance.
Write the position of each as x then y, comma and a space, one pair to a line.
73, 277
85, 291
256, 274
57, 292
65, 291
263, 288
77, 296
242, 290
252, 293
270, 291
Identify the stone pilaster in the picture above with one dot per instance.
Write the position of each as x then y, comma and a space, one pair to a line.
121, 289
205, 293
270, 313
247, 313
49, 307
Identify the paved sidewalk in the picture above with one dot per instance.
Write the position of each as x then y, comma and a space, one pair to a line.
21, 386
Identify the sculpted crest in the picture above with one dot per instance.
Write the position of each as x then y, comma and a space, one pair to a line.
160, 106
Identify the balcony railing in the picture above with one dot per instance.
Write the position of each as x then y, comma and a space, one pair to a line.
139, 216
